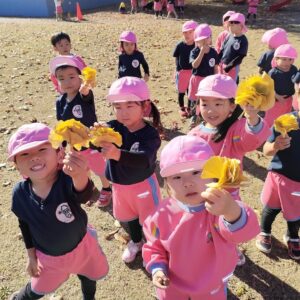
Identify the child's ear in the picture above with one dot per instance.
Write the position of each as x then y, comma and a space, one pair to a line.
55, 49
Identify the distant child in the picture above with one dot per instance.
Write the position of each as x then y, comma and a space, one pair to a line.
131, 59
235, 47
281, 190
58, 10
171, 9
157, 8
77, 102
131, 167
282, 74
192, 236
183, 66
273, 38
122, 8
252, 9
205, 61
144, 5
55, 230
134, 6
61, 43
180, 7
225, 33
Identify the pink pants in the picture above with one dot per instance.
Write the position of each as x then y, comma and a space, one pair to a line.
133, 3
193, 87
59, 9
233, 73
252, 10
86, 259
170, 8
95, 160
182, 80
157, 6
135, 201
279, 109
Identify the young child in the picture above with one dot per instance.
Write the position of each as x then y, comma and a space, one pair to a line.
122, 8
171, 9
180, 7
55, 230
61, 43
134, 6
252, 9
77, 102
58, 10
157, 8
131, 167
192, 236
205, 61
281, 190
130, 59
282, 74
225, 33
235, 47
183, 66
273, 38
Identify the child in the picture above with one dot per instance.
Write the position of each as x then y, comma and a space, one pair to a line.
235, 47
281, 190
130, 59
131, 167
180, 7
171, 9
205, 61
54, 226
157, 8
134, 5
183, 66
273, 38
58, 10
252, 9
122, 8
282, 74
61, 43
225, 33
77, 102
192, 236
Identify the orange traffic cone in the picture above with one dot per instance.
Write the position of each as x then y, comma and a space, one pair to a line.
78, 12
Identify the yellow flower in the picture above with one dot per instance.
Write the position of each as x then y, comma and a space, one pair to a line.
105, 134
88, 75
226, 170
257, 91
286, 123
71, 131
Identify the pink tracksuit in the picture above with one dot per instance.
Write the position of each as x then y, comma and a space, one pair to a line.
220, 40
252, 6
196, 249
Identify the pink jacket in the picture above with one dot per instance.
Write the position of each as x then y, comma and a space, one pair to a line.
196, 249
220, 40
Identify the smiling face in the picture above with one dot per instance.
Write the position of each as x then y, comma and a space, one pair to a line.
215, 111
63, 47
187, 187
128, 47
284, 63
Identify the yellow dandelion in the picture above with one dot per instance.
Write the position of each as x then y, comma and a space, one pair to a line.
285, 124
88, 76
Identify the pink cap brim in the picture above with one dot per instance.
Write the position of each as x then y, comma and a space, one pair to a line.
123, 98
183, 167
60, 61
213, 94
200, 38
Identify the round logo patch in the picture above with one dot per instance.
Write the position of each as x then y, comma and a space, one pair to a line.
135, 63
64, 213
77, 111
236, 46
212, 62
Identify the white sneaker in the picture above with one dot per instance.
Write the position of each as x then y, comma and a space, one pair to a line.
131, 251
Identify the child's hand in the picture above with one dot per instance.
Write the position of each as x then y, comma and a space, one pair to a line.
75, 165
146, 77
110, 151
84, 89
282, 143
99, 124
251, 114
160, 280
220, 202
32, 267
205, 48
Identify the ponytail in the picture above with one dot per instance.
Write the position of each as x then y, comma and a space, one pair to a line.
155, 115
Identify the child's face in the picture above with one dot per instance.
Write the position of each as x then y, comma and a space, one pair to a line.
130, 114
235, 27
204, 42
38, 163
189, 36
215, 111
187, 187
69, 80
128, 47
284, 63
63, 47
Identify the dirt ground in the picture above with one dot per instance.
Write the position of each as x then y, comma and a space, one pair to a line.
26, 93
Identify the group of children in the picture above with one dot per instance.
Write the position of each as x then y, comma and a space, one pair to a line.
56, 232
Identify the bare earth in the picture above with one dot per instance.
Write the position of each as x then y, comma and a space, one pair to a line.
26, 93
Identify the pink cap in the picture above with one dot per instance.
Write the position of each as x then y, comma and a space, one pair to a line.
202, 32
128, 36
238, 18
128, 89
189, 25
275, 37
228, 14
27, 137
65, 60
217, 86
184, 153
286, 50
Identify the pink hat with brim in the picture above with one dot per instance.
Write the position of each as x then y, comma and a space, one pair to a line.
189, 25
287, 51
65, 60
184, 154
128, 89
275, 37
128, 36
228, 14
202, 32
217, 86
239, 18
27, 137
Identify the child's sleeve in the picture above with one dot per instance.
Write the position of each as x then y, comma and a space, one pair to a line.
89, 97
27, 238
145, 65
296, 77
85, 195
262, 61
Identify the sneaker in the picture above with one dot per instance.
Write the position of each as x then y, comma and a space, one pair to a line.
241, 257
131, 251
104, 198
293, 247
264, 242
